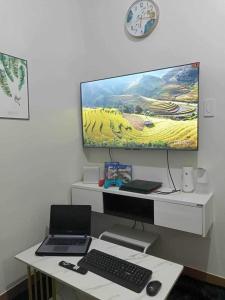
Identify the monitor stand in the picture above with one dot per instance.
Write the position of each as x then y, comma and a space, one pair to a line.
130, 238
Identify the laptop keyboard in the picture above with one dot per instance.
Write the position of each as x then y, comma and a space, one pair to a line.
66, 241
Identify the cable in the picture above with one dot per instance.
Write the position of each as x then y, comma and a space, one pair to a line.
110, 155
165, 193
168, 167
134, 225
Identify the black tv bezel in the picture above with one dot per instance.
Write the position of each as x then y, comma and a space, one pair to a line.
141, 148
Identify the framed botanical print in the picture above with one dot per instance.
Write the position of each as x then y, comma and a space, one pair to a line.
14, 98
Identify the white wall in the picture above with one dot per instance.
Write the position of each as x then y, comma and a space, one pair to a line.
69, 41
40, 158
188, 31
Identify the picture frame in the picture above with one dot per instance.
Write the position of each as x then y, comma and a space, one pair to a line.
14, 94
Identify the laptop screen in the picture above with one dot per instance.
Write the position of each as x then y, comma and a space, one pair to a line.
70, 219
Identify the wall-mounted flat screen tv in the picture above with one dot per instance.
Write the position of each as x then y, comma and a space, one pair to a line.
150, 110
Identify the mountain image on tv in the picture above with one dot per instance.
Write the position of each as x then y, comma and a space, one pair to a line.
156, 109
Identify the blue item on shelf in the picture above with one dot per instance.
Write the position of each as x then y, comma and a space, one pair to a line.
113, 182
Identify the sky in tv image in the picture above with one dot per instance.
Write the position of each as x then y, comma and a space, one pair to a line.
155, 109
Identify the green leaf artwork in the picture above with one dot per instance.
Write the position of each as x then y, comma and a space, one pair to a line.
13, 87
15, 65
4, 84
7, 65
21, 74
12, 70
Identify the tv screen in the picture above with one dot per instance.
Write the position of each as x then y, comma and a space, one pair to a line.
150, 110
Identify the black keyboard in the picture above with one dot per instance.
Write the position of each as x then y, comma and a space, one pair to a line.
117, 270
65, 241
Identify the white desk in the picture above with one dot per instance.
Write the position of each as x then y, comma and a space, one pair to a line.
97, 286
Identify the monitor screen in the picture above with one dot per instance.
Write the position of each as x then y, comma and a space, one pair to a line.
150, 110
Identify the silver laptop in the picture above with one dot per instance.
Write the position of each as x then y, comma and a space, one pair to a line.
69, 231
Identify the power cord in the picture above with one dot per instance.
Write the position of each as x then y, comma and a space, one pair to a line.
168, 168
171, 178
110, 154
134, 225
165, 193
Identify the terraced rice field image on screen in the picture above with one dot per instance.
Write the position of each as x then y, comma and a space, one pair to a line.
156, 109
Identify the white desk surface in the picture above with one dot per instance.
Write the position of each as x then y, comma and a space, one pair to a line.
191, 199
165, 271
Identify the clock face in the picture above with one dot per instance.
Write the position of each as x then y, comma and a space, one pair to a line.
142, 17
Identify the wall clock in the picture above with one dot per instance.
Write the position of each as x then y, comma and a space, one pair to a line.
142, 17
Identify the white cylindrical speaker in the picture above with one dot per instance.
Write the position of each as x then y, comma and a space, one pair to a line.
187, 180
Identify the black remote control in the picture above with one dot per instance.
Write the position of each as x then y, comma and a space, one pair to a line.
72, 267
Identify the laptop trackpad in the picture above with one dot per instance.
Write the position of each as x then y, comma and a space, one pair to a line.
61, 248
